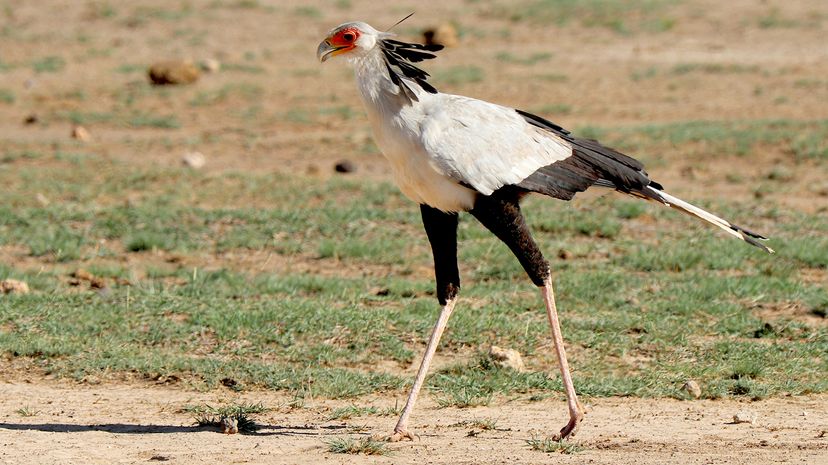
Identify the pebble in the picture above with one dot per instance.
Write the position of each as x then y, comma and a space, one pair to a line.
81, 133
507, 358
173, 73
194, 160
13, 286
211, 65
444, 34
692, 387
745, 416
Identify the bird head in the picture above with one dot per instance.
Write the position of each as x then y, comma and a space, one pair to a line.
352, 39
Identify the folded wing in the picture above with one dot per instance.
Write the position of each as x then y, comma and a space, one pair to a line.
486, 146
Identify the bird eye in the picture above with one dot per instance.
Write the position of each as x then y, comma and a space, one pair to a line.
349, 36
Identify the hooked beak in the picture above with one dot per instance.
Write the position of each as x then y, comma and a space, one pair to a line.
326, 50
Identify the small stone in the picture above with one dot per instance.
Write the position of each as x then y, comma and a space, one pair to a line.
379, 291
745, 416
42, 199
229, 425
211, 65
507, 358
344, 166
95, 282
194, 160
82, 274
81, 133
821, 189
13, 286
445, 35
30, 119
173, 72
564, 254
692, 387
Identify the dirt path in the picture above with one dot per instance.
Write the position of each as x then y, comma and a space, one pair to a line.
131, 424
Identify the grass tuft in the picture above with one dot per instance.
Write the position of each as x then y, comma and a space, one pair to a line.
366, 445
550, 445
27, 411
206, 415
351, 411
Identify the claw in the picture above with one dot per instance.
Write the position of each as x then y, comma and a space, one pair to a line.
400, 435
571, 428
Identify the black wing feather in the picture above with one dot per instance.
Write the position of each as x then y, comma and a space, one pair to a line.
591, 163
398, 58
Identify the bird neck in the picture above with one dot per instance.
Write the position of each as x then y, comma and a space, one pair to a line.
378, 92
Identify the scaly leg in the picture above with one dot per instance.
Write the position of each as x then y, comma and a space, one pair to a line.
401, 430
575, 414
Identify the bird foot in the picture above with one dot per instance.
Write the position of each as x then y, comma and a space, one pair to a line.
400, 435
571, 428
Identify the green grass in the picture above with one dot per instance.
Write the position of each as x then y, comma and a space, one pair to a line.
308, 12
483, 424
207, 415
27, 411
552, 110
458, 75
550, 445
7, 96
352, 411
49, 64
229, 92
367, 446
529, 60
648, 298
132, 119
714, 68
803, 139
622, 16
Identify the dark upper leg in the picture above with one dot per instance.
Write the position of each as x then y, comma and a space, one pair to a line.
441, 229
500, 213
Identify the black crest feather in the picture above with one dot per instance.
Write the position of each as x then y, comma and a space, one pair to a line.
398, 58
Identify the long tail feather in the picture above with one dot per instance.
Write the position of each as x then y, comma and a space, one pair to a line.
750, 237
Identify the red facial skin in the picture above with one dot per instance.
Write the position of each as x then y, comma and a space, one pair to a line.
344, 39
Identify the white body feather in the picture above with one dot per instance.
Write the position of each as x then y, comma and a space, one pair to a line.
442, 140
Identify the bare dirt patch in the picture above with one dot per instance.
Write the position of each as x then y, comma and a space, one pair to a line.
138, 424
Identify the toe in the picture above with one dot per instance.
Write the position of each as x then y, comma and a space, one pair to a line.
400, 435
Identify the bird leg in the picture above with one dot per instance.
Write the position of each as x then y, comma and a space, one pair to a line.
500, 213
441, 229
575, 414
401, 430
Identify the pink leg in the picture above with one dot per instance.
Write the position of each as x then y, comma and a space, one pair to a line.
575, 415
401, 430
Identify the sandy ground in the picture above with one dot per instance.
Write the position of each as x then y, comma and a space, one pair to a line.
137, 424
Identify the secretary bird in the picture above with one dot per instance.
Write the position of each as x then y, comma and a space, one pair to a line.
454, 154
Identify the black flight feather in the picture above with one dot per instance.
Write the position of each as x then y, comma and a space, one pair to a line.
591, 163
398, 58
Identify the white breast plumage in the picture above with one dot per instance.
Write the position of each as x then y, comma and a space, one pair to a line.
396, 124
